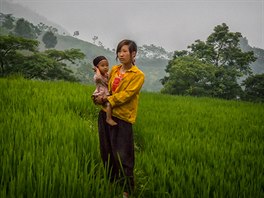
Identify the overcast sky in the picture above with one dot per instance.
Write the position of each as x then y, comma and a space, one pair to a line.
173, 24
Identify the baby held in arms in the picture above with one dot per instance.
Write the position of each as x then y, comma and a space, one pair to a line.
101, 67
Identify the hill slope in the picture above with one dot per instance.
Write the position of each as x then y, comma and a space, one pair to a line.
152, 66
258, 66
20, 11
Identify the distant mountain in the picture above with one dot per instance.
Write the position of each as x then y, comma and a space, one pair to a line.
20, 11
258, 66
148, 61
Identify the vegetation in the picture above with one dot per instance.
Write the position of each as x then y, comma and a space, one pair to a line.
7, 21
227, 54
189, 76
222, 51
185, 146
49, 39
20, 55
20, 51
25, 29
11, 50
254, 88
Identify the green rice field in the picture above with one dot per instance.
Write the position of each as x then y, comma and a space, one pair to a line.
185, 146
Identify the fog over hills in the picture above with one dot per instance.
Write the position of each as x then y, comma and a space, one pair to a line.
172, 24
151, 59
20, 11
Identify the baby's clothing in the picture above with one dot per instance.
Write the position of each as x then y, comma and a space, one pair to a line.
101, 85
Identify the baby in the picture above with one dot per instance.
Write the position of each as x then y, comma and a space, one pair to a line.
101, 81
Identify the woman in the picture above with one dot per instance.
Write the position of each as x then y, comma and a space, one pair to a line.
116, 142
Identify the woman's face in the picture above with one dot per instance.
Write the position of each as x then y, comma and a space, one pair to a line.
124, 55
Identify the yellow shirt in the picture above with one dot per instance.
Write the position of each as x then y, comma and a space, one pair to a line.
124, 100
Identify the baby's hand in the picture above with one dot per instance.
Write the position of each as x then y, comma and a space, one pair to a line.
99, 100
95, 69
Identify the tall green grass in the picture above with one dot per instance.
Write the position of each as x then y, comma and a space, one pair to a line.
49, 144
185, 147
200, 147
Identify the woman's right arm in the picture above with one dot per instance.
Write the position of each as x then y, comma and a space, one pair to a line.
125, 95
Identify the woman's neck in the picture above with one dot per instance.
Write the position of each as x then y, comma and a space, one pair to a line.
126, 67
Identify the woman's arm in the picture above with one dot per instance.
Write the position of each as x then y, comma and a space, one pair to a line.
133, 88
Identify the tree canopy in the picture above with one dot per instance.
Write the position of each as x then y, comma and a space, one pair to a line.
11, 48
222, 52
7, 21
20, 55
26, 29
49, 39
254, 88
189, 76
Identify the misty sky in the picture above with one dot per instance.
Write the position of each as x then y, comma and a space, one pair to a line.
171, 24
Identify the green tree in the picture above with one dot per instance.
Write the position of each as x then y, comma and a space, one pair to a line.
7, 21
41, 66
10, 50
20, 55
225, 84
49, 39
71, 55
189, 76
222, 50
60, 70
25, 29
254, 88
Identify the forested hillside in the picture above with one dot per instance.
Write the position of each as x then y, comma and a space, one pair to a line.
152, 59
257, 66
19, 11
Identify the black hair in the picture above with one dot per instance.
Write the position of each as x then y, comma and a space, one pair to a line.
98, 59
132, 46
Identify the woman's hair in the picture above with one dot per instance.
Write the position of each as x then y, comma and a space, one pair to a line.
98, 59
132, 46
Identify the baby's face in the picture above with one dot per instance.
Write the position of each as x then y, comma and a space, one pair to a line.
103, 66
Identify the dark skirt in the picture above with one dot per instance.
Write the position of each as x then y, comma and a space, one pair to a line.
117, 150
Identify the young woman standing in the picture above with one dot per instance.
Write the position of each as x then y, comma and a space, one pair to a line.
116, 142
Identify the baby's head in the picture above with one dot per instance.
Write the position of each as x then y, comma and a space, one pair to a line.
98, 59
102, 64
